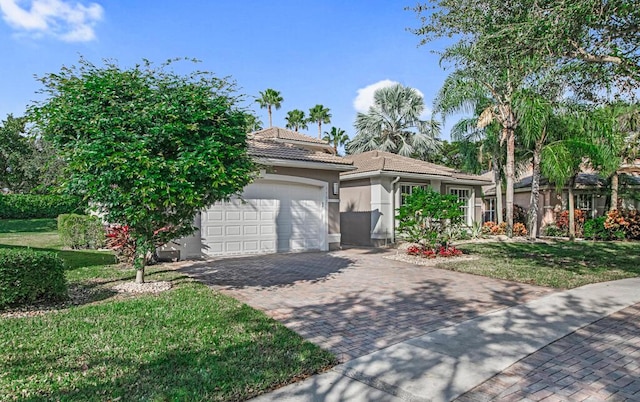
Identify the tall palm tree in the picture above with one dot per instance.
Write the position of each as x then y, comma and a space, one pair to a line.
393, 124
270, 98
296, 120
319, 114
336, 137
483, 76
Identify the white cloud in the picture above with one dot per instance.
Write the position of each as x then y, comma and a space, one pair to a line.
364, 100
65, 20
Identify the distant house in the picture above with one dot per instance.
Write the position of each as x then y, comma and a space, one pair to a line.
292, 206
371, 193
592, 195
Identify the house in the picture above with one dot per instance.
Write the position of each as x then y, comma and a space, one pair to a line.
591, 193
371, 193
292, 206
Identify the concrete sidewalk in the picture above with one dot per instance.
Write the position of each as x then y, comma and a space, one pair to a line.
444, 364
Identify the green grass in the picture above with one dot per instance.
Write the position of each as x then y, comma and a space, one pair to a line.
189, 343
560, 264
27, 225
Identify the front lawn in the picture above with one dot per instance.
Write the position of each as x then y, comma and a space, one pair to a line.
188, 343
558, 264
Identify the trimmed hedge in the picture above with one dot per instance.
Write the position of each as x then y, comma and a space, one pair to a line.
27, 276
31, 206
81, 231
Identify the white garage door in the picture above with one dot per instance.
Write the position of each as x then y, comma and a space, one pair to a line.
271, 217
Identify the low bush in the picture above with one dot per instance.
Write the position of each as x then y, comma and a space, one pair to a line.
120, 241
28, 276
427, 252
623, 224
562, 221
32, 206
519, 214
492, 228
554, 231
81, 231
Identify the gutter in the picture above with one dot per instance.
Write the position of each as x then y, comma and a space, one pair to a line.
393, 209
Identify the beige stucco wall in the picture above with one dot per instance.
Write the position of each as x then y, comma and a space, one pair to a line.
355, 195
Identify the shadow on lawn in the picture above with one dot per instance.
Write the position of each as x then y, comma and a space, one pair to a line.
570, 256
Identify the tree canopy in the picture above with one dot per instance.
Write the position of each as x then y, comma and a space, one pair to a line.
319, 115
268, 99
146, 145
296, 120
393, 124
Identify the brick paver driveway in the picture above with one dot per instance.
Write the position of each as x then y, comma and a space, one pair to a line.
600, 362
354, 301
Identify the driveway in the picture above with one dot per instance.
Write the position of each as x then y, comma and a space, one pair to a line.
354, 302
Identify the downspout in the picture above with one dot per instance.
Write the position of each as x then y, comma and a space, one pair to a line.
393, 209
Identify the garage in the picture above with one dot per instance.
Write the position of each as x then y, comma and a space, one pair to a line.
271, 216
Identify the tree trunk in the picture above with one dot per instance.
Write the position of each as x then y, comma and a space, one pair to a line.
319, 130
572, 211
144, 249
140, 275
509, 134
269, 110
614, 191
535, 192
498, 181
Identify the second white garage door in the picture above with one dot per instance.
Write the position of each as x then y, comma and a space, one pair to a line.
274, 217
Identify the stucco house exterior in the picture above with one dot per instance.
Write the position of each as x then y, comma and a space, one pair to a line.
371, 193
292, 206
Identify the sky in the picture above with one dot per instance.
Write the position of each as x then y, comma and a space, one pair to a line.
329, 52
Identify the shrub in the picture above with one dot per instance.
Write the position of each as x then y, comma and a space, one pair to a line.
519, 229
81, 231
623, 224
27, 276
519, 214
430, 217
562, 221
31, 206
594, 229
554, 231
120, 241
428, 252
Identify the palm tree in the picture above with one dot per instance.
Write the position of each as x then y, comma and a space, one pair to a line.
296, 120
336, 137
477, 145
586, 138
252, 123
393, 124
269, 98
319, 114
483, 76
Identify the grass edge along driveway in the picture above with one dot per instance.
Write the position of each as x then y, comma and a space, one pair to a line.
188, 343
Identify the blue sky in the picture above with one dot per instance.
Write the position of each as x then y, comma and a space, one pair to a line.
325, 52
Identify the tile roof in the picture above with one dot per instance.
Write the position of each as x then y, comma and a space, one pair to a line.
583, 181
268, 148
284, 134
373, 161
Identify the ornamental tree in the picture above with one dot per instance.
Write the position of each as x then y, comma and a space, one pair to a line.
428, 216
147, 146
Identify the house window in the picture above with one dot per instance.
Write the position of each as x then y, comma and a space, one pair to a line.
464, 195
490, 210
407, 189
584, 202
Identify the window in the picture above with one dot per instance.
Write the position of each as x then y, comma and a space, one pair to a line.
490, 210
464, 195
407, 189
585, 203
